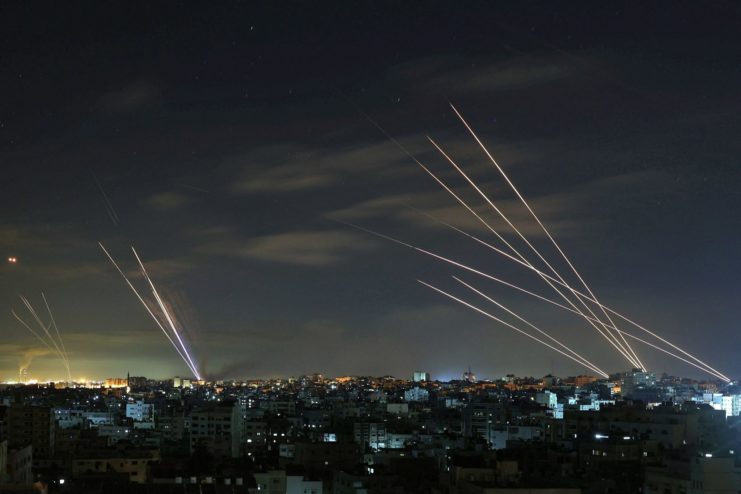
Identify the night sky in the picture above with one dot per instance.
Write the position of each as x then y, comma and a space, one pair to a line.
229, 138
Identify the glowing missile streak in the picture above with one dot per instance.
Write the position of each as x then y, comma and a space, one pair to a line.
515, 287
106, 202
719, 376
584, 361
624, 351
576, 292
525, 263
481, 311
406, 151
45, 343
535, 217
156, 321
706, 367
663, 340
44, 328
42, 340
167, 314
54, 323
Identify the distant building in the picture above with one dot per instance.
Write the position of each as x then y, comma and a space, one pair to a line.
713, 475
32, 425
218, 428
140, 411
469, 376
116, 382
419, 377
96, 419
581, 381
298, 484
370, 434
482, 419
177, 382
3, 461
498, 437
20, 464
398, 409
547, 399
69, 418
326, 455
416, 394
271, 482
133, 463
636, 379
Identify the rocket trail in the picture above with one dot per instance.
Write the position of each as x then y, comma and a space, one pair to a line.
707, 368
481, 311
46, 330
149, 311
719, 376
529, 266
604, 333
47, 341
585, 362
593, 299
625, 351
167, 315
106, 202
578, 293
42, 340
410, 155
537, 219
54, 323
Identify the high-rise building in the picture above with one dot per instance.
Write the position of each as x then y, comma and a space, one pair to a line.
219, 428
32, 425
481, 419
371, 434
469, 376
140, 411
636, 379
419, 377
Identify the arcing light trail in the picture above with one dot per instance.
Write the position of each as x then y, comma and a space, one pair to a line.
626, 352
542, 226
585, 362
55, 345
612, 333
617, 345
577, 293
106, 202
604, 332
481, 311
166, 313
179, 346
705, 367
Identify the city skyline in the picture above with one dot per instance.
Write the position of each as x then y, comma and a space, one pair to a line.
226, 155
